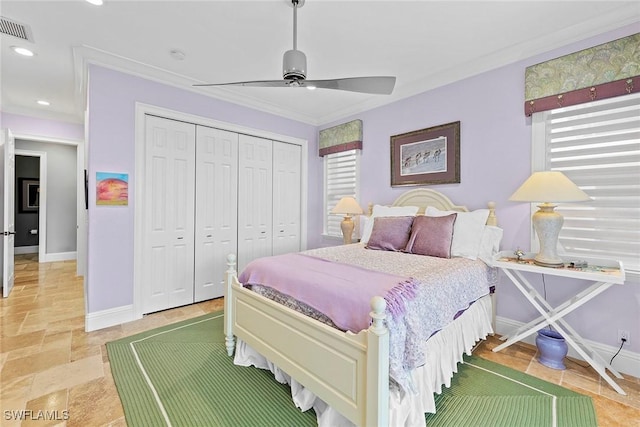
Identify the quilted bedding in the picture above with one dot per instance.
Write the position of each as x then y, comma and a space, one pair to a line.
446, 286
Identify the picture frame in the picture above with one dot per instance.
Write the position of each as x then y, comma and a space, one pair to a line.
28, 195
426, 156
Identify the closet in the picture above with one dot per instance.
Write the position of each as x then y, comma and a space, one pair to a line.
207, 193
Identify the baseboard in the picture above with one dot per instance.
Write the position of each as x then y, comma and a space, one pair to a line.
106, 318
19, 250
626, 362
59, 256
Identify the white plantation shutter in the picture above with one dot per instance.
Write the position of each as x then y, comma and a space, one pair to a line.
597, 145
341, 178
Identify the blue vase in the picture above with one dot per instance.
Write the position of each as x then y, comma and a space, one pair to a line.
552, 348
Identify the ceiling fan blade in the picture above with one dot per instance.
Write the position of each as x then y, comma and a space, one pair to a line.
377, 85
256, 83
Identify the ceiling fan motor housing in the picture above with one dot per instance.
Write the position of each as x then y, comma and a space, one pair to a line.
294, 65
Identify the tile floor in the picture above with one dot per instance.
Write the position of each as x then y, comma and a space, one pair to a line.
51, 368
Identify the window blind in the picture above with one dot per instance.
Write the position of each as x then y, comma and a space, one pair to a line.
597, 146
341, 171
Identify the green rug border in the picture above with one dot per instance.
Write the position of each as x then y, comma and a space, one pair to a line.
134, 385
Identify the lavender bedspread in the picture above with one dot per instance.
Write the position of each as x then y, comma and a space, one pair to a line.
444, 287
341, 291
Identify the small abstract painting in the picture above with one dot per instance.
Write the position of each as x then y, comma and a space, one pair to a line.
112, 189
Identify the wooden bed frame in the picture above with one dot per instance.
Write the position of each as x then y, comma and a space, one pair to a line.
350, 372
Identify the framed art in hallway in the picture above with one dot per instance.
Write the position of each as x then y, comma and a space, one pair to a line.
28, 195
426, 156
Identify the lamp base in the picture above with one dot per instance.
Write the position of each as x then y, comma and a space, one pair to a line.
547, 224
555, 264
347, 226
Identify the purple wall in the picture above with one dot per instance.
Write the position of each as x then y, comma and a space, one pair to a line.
112, 98
26, 125
495, 159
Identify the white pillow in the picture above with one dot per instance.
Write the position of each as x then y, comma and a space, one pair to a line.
467, 231
379, 210
490, 243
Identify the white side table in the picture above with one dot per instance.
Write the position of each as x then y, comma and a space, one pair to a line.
603, 274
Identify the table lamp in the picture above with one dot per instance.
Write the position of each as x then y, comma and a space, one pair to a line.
548, 187
347, 206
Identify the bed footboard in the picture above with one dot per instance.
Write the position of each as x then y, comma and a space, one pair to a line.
350, 372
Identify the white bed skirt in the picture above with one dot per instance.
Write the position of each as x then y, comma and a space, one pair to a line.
443, 353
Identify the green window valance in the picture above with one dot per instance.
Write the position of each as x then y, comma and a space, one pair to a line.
603, 71
347, 136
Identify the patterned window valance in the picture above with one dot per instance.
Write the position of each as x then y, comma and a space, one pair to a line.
604, 71
347, 136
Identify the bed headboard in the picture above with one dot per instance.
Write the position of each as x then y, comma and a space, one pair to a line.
423, 197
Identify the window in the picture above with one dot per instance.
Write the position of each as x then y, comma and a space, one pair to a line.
341, 178
597, 146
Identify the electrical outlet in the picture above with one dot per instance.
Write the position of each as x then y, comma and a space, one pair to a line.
624, 334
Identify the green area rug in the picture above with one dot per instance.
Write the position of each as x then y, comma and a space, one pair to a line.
180, 375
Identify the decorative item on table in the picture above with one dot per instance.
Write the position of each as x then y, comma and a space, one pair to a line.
552, 348
347, 206
548, 187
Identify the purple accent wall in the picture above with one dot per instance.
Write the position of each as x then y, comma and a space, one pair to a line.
26, 125
112, 98
495, 159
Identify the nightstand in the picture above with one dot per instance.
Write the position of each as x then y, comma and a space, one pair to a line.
602, 273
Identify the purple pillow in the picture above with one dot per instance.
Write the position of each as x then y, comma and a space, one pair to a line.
390, 233
432, 235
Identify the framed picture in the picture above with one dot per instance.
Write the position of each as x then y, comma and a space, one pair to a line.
426, 156
28, 195
112, 189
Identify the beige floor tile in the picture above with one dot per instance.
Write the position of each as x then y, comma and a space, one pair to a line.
34, 363
66, 376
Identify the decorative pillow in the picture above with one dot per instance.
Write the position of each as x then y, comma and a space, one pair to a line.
385, 211
490, 243
390, 233
431, 235
467, 233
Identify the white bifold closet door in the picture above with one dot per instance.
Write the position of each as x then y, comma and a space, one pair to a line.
169, 203
286, 197
209, 193
216, 228
255, 198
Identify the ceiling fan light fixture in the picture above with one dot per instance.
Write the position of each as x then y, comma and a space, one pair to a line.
294, 65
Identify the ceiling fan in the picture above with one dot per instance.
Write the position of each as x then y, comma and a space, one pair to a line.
294, 72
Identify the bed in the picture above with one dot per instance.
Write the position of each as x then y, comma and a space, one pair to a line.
345, 375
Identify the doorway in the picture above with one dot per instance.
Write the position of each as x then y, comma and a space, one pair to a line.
30, 202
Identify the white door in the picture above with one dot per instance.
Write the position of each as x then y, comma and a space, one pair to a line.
254, 198
216, 209
169, 214
7, 183
286, 197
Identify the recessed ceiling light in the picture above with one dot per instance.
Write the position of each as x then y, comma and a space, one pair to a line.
22, 51
95, 2
43, 102
311, 87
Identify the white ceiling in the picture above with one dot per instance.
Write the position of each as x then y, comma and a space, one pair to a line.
425, 44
